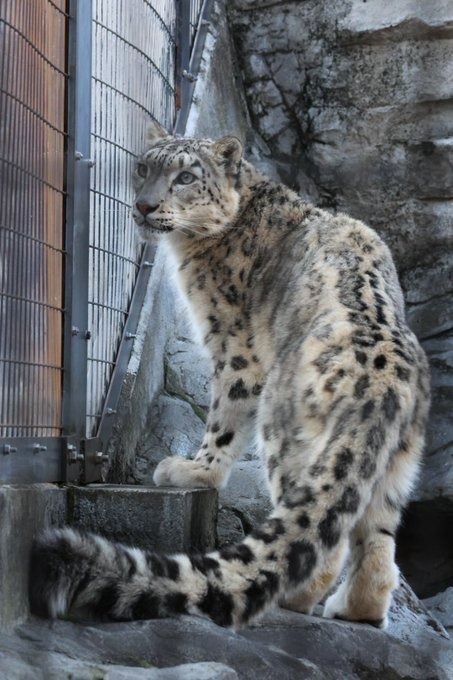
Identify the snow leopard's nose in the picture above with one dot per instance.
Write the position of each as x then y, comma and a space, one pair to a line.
146, 208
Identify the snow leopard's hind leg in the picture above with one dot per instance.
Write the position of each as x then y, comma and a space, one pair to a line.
305, 600
372, 575
340, 442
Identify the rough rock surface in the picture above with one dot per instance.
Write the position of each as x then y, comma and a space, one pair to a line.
144, 644
51, 659
282, 645
441, 606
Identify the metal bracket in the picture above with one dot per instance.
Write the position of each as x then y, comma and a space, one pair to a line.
29, 460
83, 459
94, 458
190, 76
72, 459
80, 157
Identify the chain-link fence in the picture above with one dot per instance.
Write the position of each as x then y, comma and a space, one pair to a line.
79, 80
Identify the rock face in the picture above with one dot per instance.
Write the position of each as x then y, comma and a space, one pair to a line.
282, 645
441, 605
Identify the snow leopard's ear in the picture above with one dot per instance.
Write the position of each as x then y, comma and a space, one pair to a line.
229, 151
155, 133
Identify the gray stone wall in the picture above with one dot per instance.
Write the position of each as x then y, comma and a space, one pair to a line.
351, 104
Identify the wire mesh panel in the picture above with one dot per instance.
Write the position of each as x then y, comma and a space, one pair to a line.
32, 142
54, 309
133, 79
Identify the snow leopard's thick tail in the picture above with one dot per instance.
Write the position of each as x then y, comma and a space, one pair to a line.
83, 574
76, 574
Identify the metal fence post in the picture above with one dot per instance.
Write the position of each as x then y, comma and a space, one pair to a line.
78, 163
183, 53
189, 56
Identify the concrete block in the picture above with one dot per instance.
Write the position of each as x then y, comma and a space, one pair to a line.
163, 519
24, 512
167, 520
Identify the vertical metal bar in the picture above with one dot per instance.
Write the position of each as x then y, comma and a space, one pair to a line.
192, 53
77, 225
182, 53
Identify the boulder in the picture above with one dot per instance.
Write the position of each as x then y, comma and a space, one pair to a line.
246, 495
40, 646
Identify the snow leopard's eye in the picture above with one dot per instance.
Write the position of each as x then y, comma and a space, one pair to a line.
142, 169
185, 178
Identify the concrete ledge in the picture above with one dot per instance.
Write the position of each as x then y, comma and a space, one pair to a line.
164, 519
24, 512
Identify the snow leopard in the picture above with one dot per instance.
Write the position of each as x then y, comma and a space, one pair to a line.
302, 315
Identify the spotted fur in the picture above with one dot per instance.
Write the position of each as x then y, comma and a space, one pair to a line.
303, 317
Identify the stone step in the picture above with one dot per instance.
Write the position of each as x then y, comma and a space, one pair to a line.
162, 519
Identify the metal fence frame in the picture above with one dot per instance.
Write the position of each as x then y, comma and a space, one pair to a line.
73, 457
191, 39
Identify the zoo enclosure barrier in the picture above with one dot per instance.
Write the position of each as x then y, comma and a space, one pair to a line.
79, 81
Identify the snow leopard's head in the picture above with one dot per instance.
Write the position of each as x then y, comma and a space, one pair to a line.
186, 185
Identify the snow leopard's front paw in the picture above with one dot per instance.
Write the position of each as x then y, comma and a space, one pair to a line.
177, 471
